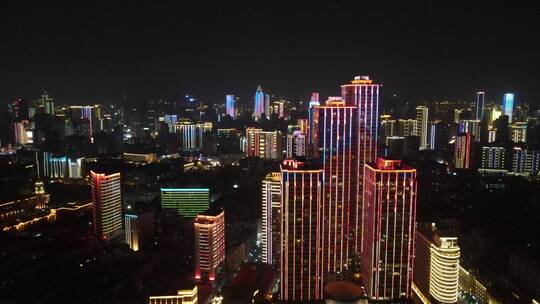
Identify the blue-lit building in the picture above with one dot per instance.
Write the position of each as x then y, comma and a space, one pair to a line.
480, 105
508, 105
230, 104
259, 103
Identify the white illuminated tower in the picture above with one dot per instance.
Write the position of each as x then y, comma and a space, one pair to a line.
422, 122
271, 210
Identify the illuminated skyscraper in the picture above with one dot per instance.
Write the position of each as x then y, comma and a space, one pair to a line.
463, 151
390, 218
263, 144
388, 128
495, 157
230, 104
479, 105
363, 94
508, 106
337, 142
470, 126
314, 102
271, 218
107, 205
301, 219
525, 161
296, 144
209, 244
48, 104
191, 135
436, 266
258, 110
422, 122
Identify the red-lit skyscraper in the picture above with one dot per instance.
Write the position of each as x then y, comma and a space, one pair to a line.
337, 151
107, 205
462, 151
300, 262
389, 222
209, 244
364, 94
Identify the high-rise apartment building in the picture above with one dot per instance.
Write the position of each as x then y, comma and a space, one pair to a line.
470, 126
362, 93
209, 244
138, 228
406, 127
106, 205
422, 122
389, 222
263, 144
301, 227
338, 149
436, 266
271, 218
495, 157
296, 144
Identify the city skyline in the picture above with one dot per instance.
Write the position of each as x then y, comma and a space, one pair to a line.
81, 54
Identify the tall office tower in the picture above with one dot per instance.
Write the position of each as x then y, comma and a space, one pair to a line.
422, 116
263, 144
138, 229
457, 115
436, 266
258, 110
503, 129
338, 151
463, 151
479, 105
267, 105
312, 112
388, 128
494, 157
271, 218
508, 106
48, 103
55, 166
230, 104
187, 201
395, 146
364, 94
21, 133
470, 126
525, 161
492, 135
296, 145
518, 132
209, 244
435, 135
107, 205
191, 134
301, 226
406, 127
390, 219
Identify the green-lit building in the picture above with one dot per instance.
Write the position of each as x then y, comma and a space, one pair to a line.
188, 201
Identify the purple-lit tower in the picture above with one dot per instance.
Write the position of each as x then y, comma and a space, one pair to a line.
259, 103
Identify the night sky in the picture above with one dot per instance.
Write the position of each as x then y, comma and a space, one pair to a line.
82, 52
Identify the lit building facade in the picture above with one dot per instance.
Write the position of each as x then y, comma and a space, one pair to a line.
301, 219
518, 132
138, 229
463, 151
422, 122
470, 126
296, 144
508, 105
189, 202
337, 125
436, 266
107, 205
184, 296
479, 109
388, 128
258, 110
525, 161
231, 107
271, 218
494, 157
191, 135
390, 219
263, 144
209, 244
407, 127
362, 93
